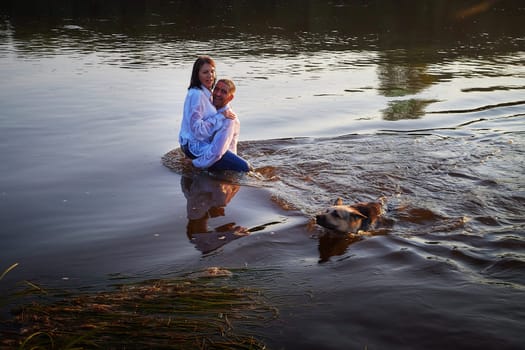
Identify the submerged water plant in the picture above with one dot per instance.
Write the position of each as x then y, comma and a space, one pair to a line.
187, 313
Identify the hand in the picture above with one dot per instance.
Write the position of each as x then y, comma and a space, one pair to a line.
229, 114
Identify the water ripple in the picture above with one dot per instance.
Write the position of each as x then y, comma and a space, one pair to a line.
449, 198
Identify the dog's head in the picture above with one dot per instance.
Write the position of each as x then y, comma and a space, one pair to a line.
341, 218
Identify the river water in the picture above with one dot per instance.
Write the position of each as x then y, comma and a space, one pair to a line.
422, 104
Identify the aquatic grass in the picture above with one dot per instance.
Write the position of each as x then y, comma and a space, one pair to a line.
181, 313
5, 299
7, 270
48, 341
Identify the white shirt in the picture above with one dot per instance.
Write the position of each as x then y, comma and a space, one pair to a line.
205, 130
198, 120
225, 137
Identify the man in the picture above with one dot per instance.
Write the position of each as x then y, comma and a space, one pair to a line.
221, 154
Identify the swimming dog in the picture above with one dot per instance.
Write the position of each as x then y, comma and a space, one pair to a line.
350, 218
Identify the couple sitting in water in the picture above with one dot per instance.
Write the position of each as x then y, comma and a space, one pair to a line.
210, 129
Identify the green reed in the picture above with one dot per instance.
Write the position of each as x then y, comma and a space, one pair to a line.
3, 299
7, 270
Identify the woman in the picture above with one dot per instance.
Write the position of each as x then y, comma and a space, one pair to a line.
200, 118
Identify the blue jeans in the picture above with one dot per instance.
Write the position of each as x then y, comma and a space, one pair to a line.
229, 161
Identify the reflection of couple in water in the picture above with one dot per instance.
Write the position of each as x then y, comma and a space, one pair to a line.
207, 199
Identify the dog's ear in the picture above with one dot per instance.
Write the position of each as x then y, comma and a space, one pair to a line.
360, 215
338, 201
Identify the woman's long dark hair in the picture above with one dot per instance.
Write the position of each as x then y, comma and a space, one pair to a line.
201, 60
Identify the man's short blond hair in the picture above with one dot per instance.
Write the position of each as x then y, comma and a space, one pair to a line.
230, 84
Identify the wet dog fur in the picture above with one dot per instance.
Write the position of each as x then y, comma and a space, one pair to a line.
350, 218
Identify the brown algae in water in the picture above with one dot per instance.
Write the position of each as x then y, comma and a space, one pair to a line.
184, 313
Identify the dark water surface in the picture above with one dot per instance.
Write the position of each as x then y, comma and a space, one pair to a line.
422, 103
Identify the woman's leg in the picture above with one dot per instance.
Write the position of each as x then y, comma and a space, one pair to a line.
231, 161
